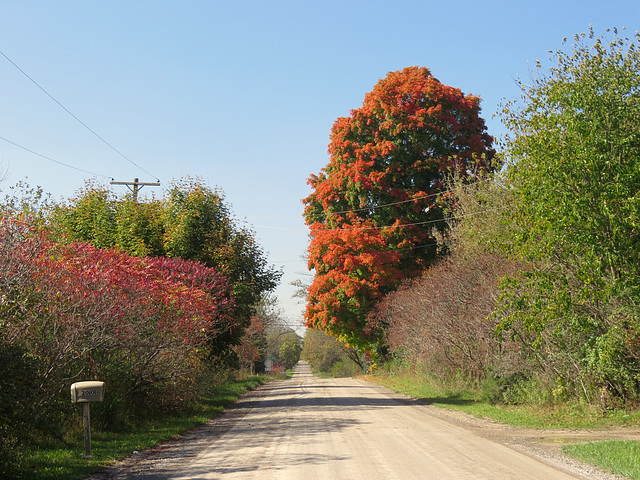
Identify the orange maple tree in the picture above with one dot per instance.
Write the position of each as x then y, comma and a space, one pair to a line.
373, 208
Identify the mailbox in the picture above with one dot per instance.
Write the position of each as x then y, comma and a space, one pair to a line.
83, 392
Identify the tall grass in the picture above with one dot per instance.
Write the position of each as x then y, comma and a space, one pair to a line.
458, 395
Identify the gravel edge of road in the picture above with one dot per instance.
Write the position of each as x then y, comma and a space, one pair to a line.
525, 440
528, 445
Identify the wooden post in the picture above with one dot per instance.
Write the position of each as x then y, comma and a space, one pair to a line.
86, 424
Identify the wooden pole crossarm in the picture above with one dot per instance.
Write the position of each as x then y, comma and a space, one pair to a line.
136, 186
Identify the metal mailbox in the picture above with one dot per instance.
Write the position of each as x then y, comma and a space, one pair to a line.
84, 392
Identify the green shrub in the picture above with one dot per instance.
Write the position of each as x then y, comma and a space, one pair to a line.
322, 351
345, 368
19, 419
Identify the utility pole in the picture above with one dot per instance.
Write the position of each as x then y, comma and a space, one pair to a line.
136, 186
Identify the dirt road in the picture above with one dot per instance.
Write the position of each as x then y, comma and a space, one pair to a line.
308, 428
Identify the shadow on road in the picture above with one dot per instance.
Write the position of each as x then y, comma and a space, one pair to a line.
324, 402
450, 400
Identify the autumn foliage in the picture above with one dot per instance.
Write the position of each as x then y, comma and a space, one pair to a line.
192, 223
440, 322
76, 312
149, 297
367, 213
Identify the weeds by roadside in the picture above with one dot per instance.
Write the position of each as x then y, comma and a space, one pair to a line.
63, 461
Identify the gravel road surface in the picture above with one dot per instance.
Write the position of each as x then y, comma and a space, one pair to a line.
308, 428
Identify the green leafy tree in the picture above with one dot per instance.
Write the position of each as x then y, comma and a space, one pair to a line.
372, 208
193, 223
323, 351
140, 227
289, 352
95, 215
574, 165
88, 217
278, 335
200, 227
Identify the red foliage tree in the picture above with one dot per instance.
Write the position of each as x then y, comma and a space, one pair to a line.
141, 324
367, 211
251, 346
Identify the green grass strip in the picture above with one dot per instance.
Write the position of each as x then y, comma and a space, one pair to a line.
49, 461
528, 416
619, 457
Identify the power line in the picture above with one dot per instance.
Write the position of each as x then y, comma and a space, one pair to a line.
410, 224
52, 160
298, 229
382, 227
76, 118
352, 229
455, 217
373, 207
415, 247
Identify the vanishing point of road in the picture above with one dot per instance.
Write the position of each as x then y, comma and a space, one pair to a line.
307, 428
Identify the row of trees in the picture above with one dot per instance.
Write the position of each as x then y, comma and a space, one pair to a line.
326, 355
268, 337
537, 285
151, 297
193, 223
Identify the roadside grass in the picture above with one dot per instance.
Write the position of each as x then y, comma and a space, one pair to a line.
580, 416
620, 457
62, 461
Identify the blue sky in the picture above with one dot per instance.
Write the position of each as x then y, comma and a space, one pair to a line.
243, 94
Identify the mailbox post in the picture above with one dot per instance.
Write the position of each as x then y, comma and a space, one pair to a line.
85, 393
